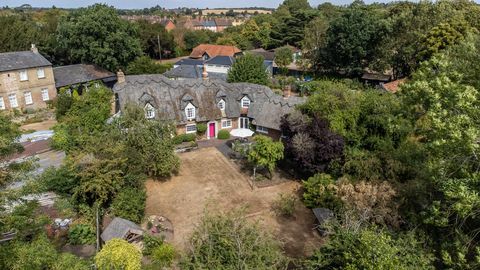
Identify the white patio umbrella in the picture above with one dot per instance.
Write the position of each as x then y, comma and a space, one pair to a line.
241, 132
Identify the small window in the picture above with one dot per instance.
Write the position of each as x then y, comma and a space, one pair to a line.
262, 129
45, 95
245, 102
190, 129
149, 111
190, 111
41, 73
227, 123
13, 100
2, 104
221, 105
23, 75
28, 98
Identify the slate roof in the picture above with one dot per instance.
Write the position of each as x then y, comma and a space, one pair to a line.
169, 97
192, 72
189, 61
267, 55
221, 60
22, 60
81, 73
119, 228
214, 50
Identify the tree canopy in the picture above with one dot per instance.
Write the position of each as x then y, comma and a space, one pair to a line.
248, 68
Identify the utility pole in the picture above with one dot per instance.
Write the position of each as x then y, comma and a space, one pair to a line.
159, 48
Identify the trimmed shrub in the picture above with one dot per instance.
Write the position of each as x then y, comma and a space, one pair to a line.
223, 135
201, 128
150, 243
163, 255
184, 138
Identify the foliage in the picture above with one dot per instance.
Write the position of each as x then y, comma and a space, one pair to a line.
151, 243
164, 255
248, 68
81, 234
63, 103
36, 255
153, 35
129, 204
69, 261
310, 143
24, 220
320, 191
145, 65
265, 152
370, 249
201, 128
98, 35
184, 138
284, 205
283, 57
229, 241
193, 38
60, 180
9, 133
118, 254
223, 135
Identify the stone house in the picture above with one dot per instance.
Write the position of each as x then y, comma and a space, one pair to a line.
26, 80
216, 103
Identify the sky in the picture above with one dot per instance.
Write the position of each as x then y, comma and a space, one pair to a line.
132, 4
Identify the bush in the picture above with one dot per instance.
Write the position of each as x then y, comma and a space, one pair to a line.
320, 191
119, 254
201, 128
81, 234
150, 243
61, 181
71, 262
223, 135
285, 204
163, 255
129, 204
184, 138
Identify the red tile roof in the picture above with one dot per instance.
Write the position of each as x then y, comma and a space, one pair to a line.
392, 87
214, 50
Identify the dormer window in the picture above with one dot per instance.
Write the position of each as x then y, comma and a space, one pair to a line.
190, 111
221, 105
245, 102
149, 111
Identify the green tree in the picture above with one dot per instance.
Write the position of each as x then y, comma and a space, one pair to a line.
69, 261
145, 65
129, 204
9, 133
150, 35
370, 249
248, 68
118, 254
265, 153
37, 255
229, 241
320, 191
98, 35
283, 58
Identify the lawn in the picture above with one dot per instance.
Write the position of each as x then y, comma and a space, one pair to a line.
207, 180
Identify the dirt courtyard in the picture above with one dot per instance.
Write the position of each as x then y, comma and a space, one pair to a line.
208, 180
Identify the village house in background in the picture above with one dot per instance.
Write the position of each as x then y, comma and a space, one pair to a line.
166, 22
80, 76
26, 80
218, 104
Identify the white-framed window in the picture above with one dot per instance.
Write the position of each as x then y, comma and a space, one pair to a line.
45, 95
28, 98
245, 102
191, 128
2, 104
221, 104
226, 123
12, 98
149, 111
262, 129
190, 111
40, 73
23, 75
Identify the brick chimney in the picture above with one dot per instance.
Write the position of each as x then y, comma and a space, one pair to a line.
287, 91
34, 48
120, 76
205, 73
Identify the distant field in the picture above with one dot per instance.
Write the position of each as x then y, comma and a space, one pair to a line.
224, 10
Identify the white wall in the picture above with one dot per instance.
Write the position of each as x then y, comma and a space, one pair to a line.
217, 69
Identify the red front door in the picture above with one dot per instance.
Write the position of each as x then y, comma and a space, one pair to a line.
211, 132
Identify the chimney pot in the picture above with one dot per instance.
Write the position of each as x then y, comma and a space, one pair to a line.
287, 91
34, 48
120, 76
204, 73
